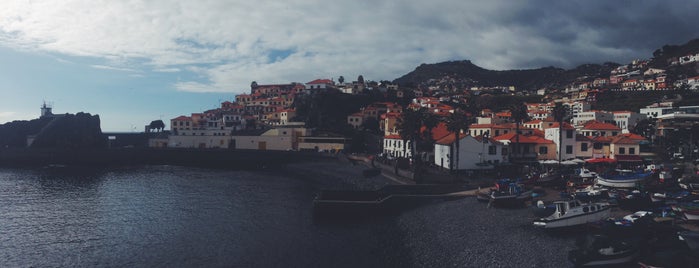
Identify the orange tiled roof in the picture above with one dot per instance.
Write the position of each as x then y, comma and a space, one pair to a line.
523, 138
439, 131
182, 118
597, 125
449, 139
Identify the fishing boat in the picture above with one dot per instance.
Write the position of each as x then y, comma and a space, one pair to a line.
549, 177
573, 212
591, 192
509, 193
622, 178
602, 250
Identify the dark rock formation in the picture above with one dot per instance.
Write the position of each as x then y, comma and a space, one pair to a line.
81, 130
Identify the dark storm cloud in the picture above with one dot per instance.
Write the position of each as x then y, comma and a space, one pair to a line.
617, 30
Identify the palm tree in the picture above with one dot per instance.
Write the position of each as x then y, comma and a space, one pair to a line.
559, 114
518, 113
457, 122
409, 127
430, 121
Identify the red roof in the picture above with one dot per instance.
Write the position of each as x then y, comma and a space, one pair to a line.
449, 139
596, 125
565, 125
321, 81
523, 139
628, 158
439, 132
182, 118
600, 160
393, 137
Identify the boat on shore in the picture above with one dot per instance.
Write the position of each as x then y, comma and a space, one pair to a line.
601, 250
622, 178
691, 239
509, 193
572, 212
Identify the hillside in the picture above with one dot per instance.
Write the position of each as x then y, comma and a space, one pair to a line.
466, 74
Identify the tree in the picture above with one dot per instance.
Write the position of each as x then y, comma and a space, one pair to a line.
429, 121
341, 79
253, 84
408, 125
360, 79
559, 114
518, 113
158, 125
456, 123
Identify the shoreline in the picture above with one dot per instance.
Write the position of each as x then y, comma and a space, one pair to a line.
206, 158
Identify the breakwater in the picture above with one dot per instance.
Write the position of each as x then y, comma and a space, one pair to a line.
210, 158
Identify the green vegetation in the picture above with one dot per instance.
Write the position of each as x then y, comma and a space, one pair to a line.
635, 100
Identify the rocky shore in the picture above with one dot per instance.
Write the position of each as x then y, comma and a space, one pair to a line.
457, 233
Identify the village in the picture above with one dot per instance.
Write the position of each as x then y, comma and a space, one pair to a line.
455, 136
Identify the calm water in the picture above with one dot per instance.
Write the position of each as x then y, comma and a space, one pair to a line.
173, 216
168, 216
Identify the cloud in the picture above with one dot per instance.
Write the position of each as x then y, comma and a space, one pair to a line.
105, 67
225, 45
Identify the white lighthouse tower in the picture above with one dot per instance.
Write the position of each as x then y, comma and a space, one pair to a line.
46, 110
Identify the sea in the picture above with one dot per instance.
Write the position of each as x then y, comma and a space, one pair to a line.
170, 216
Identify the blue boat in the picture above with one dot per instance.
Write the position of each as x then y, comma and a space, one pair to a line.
623, 178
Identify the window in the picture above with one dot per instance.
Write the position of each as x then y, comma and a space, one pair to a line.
492, 150
622, 150
504, 151
632, 150
569, 149
569, 134
583, 147
597, 146
543, 150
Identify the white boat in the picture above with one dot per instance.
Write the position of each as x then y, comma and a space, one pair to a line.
586, 174
572, 212
623, 178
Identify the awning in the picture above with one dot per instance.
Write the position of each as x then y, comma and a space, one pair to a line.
628, 158
600, 160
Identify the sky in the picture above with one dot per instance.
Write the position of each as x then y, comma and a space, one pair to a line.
134, 61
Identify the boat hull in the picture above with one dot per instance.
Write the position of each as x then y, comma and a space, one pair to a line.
624, 257
692, 215
553, 222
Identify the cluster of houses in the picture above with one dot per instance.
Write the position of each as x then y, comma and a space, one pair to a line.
261, 120
493, 139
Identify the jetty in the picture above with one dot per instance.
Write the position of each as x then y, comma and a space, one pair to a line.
390, 198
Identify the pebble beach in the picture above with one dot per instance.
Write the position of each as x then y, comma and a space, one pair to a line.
456, 233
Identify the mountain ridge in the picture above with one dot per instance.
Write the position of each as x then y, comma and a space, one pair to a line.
465, 74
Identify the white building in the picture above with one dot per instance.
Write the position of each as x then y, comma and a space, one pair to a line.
394, 146
601, 116
627, 120
474, 153
567, 143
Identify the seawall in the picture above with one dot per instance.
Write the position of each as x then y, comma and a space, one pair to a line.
235, 159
